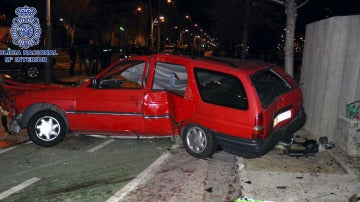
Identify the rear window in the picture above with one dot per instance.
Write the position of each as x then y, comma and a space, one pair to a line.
221, 89
269, 85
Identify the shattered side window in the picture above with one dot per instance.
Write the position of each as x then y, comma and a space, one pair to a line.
221, 89
269, 85
123, 76
170, 77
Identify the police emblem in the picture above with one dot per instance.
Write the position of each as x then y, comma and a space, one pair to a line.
25, 30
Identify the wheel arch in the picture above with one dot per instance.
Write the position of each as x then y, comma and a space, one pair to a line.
35, 108
187, 123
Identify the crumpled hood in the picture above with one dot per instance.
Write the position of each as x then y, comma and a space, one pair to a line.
9, 87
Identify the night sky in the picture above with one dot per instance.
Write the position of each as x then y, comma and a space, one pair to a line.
200, 11
312, 11
316, 10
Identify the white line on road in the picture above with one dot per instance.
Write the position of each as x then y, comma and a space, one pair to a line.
18, 187
94, 149
7, 149
13, 147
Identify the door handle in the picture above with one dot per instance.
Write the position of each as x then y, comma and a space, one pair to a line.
136, 99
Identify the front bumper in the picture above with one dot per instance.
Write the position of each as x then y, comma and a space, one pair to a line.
251, 148
14, 125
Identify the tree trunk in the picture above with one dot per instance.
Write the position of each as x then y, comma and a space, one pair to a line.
290, 10
72, 35
245, 31
111, 36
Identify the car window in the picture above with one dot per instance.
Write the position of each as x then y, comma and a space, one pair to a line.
126, 74
269, 85
221, 89
170, 77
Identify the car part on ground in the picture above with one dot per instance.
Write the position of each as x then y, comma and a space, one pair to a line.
307, 147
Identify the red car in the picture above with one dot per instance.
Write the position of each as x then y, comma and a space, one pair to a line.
246, 107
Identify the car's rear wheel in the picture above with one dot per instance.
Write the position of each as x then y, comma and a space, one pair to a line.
46, 128
198, 141
33, 71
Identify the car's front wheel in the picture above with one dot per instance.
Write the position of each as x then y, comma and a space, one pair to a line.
46, 128
198, 141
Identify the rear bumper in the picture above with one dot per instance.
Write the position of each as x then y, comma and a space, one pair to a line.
250, 148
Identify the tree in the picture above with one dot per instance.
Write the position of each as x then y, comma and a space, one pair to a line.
74, 14
242, 20
291, 14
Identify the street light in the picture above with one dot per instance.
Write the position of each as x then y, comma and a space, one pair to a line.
181, 38
122, 30
68, 30
152, 33
153, 22
139, 9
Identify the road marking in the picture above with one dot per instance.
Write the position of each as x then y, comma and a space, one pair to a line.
18, 187
142, 178
7, 149
94, 149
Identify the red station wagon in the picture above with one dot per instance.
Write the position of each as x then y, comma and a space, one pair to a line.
246, 107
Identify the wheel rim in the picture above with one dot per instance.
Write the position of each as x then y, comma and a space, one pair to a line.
33, 72
47, 128
196, 139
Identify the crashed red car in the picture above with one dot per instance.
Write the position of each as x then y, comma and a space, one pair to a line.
246, 107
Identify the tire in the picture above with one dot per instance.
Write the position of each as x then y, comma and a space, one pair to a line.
41, 133
198, 141
33, 71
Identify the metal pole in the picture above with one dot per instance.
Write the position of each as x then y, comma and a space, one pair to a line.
158, 42
152, 36
152, 27
49, 64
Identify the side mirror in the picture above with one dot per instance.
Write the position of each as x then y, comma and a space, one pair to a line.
94, 83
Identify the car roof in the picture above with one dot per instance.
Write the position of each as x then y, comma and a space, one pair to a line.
245, 66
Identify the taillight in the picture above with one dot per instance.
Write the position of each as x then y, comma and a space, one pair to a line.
258, 131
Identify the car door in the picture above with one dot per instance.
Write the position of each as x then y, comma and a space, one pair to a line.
224, 105
169, 101
114, 102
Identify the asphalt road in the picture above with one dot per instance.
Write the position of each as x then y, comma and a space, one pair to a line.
81, 168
